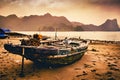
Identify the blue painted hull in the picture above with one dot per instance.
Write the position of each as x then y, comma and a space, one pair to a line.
3, 36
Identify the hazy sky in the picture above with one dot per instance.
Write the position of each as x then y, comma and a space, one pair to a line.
85, 11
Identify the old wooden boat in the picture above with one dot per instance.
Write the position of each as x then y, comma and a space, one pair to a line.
57, 53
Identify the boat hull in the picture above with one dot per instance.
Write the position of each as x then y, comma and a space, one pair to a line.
62, 60
45, 56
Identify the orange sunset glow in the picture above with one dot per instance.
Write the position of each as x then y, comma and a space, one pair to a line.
59, 39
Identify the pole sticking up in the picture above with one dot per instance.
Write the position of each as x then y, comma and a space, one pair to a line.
56, 34
22, 66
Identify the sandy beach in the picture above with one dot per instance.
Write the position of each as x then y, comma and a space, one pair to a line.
100, 62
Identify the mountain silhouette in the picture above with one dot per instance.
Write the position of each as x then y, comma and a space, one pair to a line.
109, 25
47, 22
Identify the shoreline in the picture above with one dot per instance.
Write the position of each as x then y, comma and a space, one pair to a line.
104, 42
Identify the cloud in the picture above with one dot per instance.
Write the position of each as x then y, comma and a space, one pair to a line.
6, 3
59, 3
3, 3
106, 2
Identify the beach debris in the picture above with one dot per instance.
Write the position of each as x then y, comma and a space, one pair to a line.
85, 73
78, 75
110, 58
93, 70
98, 74
111, 78
93, 60
77, 68
114, 68
84, 79
94, 64
109, 73
87, 66
94, 50
115, 62
5, 52
110, 65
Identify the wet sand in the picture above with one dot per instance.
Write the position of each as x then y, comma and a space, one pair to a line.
100, 62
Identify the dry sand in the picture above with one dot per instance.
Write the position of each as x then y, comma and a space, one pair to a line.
100, 62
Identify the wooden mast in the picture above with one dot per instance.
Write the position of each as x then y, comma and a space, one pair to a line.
55, 33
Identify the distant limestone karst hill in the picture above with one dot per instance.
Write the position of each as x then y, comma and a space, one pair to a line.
48, 22
109, 25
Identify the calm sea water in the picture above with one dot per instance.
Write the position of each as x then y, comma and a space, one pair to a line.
110, 36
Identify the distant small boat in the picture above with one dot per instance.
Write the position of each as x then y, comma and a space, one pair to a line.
3, 36
3, 32
57, 53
